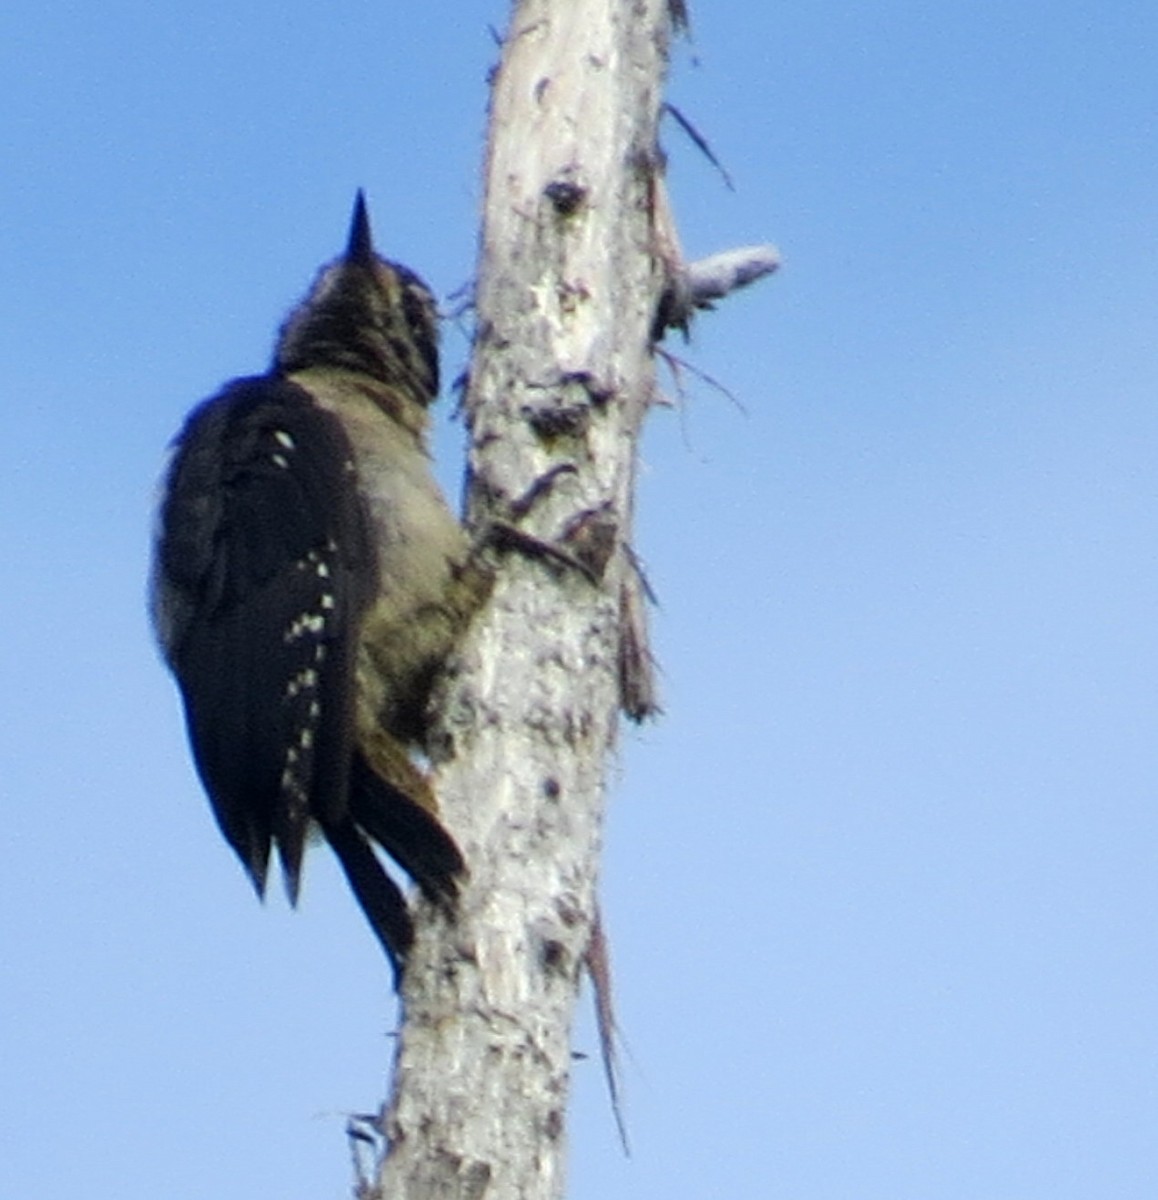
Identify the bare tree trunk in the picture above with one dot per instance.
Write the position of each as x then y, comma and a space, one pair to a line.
577, 251
568, 287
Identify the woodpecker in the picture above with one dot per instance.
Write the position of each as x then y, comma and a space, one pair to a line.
309, 581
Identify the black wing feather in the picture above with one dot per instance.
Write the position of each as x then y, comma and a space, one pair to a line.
267, 556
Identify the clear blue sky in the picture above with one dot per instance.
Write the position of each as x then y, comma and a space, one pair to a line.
883, 883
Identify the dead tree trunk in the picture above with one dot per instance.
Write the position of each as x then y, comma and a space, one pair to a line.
575, 257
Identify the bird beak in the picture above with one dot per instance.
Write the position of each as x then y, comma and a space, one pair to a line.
360, 247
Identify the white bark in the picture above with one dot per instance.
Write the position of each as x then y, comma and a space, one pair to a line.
562, 376
580, 269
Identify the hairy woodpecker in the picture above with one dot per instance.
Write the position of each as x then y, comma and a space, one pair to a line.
309, 581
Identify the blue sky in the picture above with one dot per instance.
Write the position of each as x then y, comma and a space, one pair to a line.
883, 882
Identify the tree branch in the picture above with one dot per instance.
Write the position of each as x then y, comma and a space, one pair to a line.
699, 284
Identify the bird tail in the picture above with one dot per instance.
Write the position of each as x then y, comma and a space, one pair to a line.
379, 811
377, 894
406, 830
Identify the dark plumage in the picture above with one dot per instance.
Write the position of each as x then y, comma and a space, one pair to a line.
309, 581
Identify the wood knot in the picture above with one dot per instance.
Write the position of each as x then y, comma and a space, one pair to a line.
566, 196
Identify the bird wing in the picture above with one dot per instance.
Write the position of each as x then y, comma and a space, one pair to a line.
267, 566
